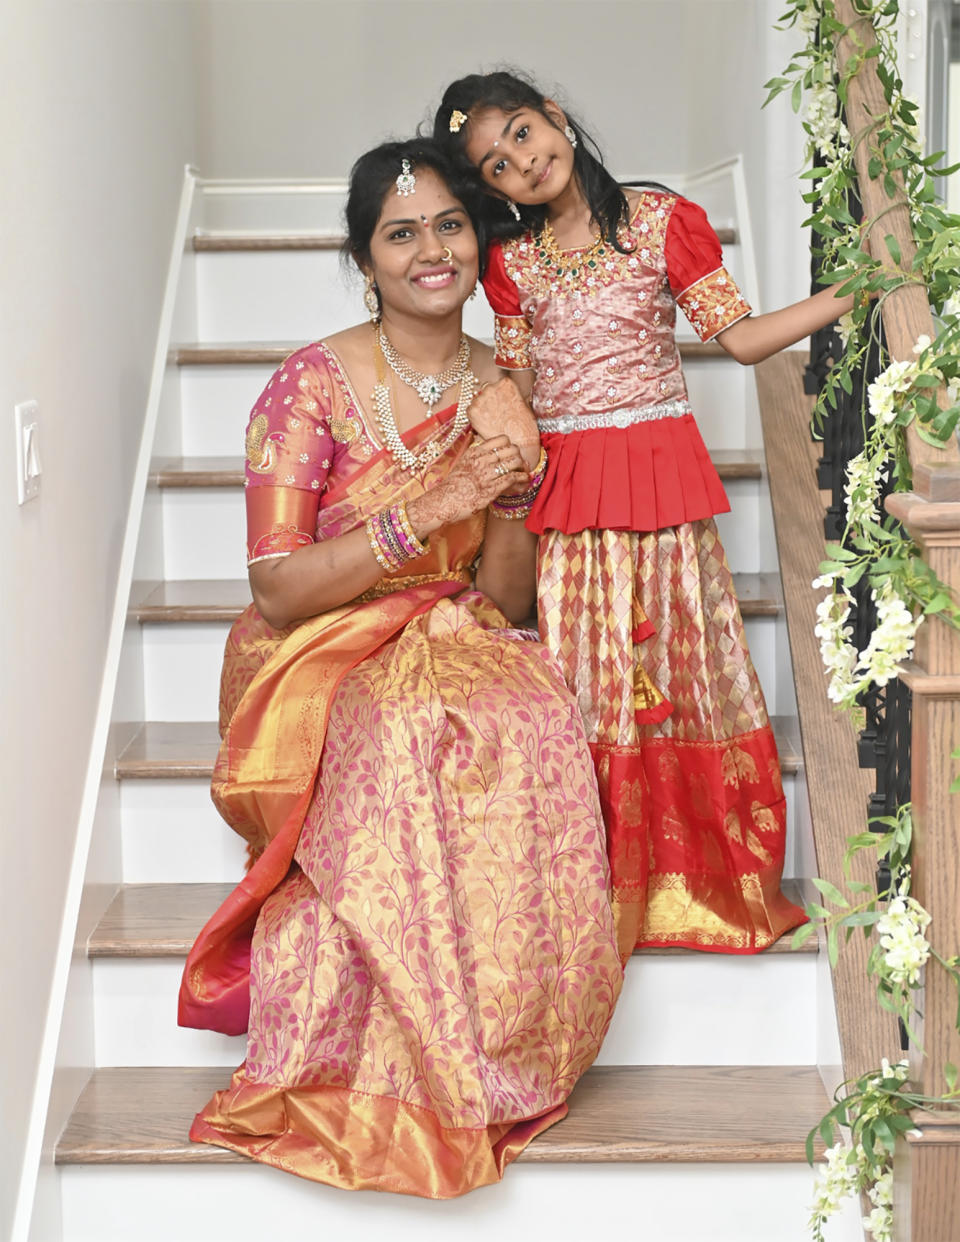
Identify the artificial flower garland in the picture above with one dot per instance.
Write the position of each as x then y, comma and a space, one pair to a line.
874, 1108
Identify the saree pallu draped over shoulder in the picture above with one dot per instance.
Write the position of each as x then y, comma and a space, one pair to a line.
423, 952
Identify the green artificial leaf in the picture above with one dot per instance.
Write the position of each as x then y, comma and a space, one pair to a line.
802, 935
893, 246
830, 891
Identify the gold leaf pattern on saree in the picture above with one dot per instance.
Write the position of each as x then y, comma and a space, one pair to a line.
675, 827
773, 771
668, 767
701, 796
756, 846
731, 826
764, 819
633, 803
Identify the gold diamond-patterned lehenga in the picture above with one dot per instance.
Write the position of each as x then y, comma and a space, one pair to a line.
636, 597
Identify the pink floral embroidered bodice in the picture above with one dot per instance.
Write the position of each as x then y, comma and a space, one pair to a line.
604, 339
598, 328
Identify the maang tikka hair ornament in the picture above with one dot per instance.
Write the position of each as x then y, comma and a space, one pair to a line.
406, 182
457, 119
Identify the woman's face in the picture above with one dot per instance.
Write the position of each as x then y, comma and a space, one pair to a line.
522, 155
409, 251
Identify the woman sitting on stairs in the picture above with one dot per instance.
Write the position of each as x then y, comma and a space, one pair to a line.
422, 951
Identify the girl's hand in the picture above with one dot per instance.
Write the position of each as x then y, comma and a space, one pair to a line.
499, 410
485, 471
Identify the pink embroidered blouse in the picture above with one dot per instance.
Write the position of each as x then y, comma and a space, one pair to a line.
598, 328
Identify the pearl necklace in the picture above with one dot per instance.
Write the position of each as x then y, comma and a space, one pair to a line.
429, 388
390, 433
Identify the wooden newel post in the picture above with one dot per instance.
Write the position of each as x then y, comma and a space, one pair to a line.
927, 1167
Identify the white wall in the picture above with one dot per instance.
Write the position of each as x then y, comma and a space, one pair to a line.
301, 88
97, 119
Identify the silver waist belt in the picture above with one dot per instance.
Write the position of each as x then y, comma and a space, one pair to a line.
565, 423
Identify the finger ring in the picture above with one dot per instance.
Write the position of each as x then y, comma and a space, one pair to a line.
499, 469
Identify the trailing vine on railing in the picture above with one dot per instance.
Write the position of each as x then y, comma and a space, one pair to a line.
874, 1108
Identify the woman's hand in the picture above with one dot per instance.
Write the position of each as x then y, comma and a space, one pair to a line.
485, 471
499, 410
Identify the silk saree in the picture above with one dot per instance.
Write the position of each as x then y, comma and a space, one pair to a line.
422, 951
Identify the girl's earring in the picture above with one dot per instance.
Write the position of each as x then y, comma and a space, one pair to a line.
371, 300
570, 135
513, 209
473, 293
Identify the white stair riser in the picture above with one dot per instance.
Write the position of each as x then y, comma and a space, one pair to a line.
291, 295
181, 666
674, 1010
216, 401
172, 834
303, 295
221, 553
747, 1202
217, 511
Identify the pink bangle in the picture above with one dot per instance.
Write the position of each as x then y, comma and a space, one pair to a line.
517, 508
392, 539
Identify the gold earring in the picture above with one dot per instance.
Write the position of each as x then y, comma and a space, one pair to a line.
371, 300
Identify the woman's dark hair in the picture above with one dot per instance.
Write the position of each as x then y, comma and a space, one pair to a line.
376, 172
510, 92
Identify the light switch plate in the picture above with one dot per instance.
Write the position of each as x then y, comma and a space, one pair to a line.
27, 416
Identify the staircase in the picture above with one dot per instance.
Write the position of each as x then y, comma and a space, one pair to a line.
692, 1124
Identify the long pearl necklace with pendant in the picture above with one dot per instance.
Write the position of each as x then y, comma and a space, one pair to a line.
429, 388
388, 423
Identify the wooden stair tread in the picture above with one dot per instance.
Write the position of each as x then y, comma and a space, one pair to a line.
623, 1114
223, 599
221, 242
171, 472
186, 749
194, 599
163, 920
239, 241
272, 353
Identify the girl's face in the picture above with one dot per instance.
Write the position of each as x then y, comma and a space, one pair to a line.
522, 155
409, 247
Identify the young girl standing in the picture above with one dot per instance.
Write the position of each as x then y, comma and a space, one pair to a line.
636, 597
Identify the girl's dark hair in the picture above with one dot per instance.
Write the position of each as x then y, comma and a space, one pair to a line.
510, 92
376, 172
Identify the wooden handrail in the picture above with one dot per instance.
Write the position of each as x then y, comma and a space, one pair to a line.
927, 1164
905, 311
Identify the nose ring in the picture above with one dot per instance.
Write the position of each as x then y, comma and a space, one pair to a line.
447, 254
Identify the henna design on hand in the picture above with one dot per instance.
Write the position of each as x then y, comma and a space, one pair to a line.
499, 409
469, 487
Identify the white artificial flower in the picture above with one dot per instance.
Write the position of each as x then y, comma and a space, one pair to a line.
901, 931
837, 1180
879, 1224
862, 488
845, 328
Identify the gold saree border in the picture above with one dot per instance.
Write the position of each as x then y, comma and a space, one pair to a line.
356, 1141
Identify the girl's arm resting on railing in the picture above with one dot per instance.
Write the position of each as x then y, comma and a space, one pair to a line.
756, 337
